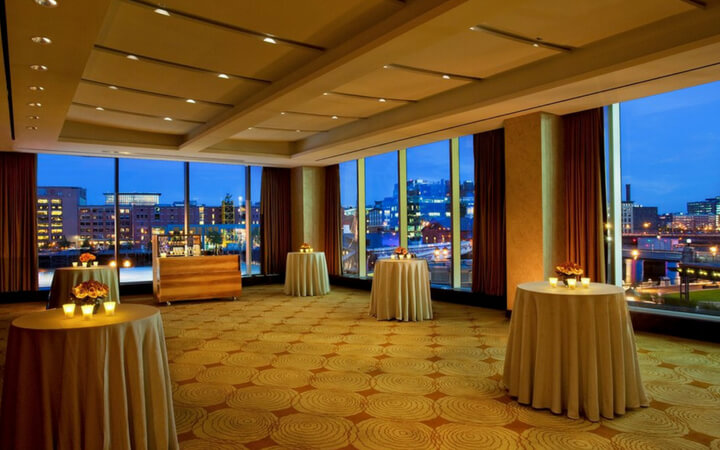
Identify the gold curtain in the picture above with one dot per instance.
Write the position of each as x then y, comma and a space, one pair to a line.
18, 222
333, 220
584, 190
489, 259
275, 219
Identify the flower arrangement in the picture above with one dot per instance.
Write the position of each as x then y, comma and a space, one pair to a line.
85, 258
401, 253
90, 292
305, 248
568, 270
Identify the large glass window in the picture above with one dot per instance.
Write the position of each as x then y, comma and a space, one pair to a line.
381, 207
467, 208
671, 199
256, 183
429, 210
151, 201
72, 214
217, 208
348, 202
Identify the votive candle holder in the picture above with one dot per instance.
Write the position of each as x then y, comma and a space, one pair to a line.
87, 311
74, 263
69, 310
585, 281
109, 308
571, 282
553, 281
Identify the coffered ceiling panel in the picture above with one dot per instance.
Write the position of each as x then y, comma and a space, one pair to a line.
117, 70
292, 121
135, 28
133, 101
578, 23
260, 134
89, 114
343, 105
318, 22
399, 84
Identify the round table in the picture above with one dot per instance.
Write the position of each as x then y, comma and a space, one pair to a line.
65, 278
401, 290
573, 350
306, 274
99, 383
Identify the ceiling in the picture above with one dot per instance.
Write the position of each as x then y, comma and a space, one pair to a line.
291, 83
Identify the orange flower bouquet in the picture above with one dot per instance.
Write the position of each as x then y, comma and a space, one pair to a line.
568, 270
401, 253
85, 258
305, 248
90, 292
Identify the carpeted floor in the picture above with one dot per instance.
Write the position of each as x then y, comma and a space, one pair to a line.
271, 371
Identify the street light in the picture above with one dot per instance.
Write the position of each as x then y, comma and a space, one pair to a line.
635, 254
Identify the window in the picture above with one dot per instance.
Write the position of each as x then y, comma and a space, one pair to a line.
467, 207
348, 203
670, 217
255, 184
72, 215
381, 207
217, 208
429, 209
151, 201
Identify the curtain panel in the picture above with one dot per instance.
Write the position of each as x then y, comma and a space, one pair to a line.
18, 222
333, 220
275, 231
585, 190
489, 260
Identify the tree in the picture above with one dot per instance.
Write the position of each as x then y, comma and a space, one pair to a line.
213, 237
85, 244
63, 243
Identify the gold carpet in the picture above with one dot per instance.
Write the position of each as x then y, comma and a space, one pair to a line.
271, 371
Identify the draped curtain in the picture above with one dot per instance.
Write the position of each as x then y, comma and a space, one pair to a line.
18, 225
489, 260
333, 218
585, 190
275, 219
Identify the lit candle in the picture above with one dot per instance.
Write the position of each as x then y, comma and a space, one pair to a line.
87, 311
163, 255
109, 308
95, 263
585, 282
393, 256
74, 263
571, 282
553, 281
84, 264
69, 309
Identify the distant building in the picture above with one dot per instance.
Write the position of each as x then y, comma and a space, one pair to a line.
644, 219
709, 206
134, 198
57, 218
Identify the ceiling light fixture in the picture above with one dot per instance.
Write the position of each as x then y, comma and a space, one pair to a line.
42, 40
162, 12
100, 108
282, 113
36, 88
133, 57
446, 77
33, 117
34, 104
47, 3
386, 67
223, 76
250, 128
297, 131
169, 119
190, 101
31, 128
334, 117
382, 100
39, 67
114, 88
536, 45
270, 40
326, 93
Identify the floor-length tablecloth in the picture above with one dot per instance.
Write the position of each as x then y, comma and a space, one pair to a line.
401, 290
306, 274
573, 350
98, 384
65, 278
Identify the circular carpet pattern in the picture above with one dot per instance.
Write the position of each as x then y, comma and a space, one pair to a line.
636, 441
236, 425
227, 374
262, 397
401, 406
473, 437
545, 419
538, 438
484, 412
344, 381
201, 394
330, 402
314, 431
650, 420
706, 421
403, 384
382, 434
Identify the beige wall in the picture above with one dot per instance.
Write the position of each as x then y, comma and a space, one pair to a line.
307, 187
534, 205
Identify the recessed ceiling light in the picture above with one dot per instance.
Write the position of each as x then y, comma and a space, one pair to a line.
270, 40
326, 93
473, 28
382, 100
169, 119
162, 12
34, 104
36, 88
190, 101
39, 67
114, 88
446, 77
334, 117
47, 3
386, 67
133, 57
33, 117
223, 76
125, 153
536, 45
250, 128
282, 113
297, 131
100, 108
31, 128
43, 40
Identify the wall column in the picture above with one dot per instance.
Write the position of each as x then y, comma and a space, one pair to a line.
307, 187
534, 199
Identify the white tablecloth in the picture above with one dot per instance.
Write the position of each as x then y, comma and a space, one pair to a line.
98, 384
65, 278
306, 274
401, 290
573, 350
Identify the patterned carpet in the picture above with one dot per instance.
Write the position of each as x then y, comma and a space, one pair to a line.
271, 371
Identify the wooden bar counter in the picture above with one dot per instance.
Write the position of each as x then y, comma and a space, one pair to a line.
196, 278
